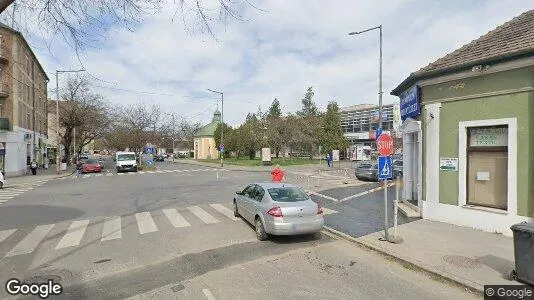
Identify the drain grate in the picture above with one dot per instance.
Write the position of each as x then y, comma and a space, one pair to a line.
461, 261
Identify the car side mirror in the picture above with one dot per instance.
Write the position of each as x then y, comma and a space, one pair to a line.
239, 193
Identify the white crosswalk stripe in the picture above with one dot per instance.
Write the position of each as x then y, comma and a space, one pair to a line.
120, 174
86, 176
74, 234
202, 215
223, 210
141, 172
109, 174
145, 223
327, 211
31, 241
159, 171
112, 229
4, 234
167, 171
98, 175
176, 219
150, 172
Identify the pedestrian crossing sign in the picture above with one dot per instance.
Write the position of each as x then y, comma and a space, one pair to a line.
385, 170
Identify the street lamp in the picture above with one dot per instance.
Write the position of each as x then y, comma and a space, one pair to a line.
173, 134
386, 233
380, 72
58, 150
222, 120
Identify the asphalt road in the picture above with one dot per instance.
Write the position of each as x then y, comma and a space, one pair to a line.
118, 236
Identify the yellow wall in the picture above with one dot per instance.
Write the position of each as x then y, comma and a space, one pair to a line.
204, 147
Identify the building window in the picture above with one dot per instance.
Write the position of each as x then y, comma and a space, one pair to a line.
487, 166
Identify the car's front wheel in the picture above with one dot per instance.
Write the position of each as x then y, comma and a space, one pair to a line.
260, 230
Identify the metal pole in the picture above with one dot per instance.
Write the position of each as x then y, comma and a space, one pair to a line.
74, 130
33, 110
222, 127
396, 207
380, 126
173, 136
58, 149
386, 210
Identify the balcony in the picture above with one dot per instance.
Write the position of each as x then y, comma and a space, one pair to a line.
4, 124
4, 89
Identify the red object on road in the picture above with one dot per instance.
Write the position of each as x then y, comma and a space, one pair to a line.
384, 144
277, 174
91, 166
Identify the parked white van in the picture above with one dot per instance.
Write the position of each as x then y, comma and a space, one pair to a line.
125, 161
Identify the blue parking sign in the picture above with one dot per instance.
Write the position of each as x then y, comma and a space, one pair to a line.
385, 168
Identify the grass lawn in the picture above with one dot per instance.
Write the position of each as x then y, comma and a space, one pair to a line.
257, 162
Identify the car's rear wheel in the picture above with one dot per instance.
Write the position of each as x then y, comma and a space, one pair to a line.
260, 230
236, 213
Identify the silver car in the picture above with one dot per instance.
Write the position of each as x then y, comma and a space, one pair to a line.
278, 209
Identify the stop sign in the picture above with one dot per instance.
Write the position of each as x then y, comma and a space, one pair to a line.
385, 144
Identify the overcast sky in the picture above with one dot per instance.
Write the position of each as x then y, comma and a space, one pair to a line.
276, 52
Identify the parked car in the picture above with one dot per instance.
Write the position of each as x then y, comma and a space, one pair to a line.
91, 166
278, 209
397, 168
101, 162
367, 171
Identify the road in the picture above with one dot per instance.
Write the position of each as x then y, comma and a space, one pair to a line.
170, 234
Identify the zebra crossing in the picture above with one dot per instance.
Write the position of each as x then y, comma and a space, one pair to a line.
109, 174
72, 233
10, 192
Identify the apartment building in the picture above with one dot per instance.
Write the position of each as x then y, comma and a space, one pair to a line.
359, 124
23, 104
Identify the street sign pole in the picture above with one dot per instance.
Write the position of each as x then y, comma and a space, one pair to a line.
386, 234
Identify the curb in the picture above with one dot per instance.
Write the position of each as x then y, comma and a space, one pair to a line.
60, 176
435, 274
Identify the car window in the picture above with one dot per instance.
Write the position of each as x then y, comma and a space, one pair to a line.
248, 190
259, 193
90, 161
123, 157
287, 194
364, 166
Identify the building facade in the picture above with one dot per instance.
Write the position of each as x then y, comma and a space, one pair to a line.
204, 141
23, 104
359, 124
468, 132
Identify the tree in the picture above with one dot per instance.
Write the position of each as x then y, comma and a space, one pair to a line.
188, 131
134, 126
275, 127
80, 22
308, 123
227, 138
83, 113
274, 111
331, 137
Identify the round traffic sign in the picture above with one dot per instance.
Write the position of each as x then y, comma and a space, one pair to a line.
384, 144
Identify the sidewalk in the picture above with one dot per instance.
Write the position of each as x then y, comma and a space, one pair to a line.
42, 174
463, 255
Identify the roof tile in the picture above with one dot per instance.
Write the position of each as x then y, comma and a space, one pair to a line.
516, 35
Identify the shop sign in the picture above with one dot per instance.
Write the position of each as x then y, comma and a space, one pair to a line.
409, 103
448, 163
488, 137
358, 135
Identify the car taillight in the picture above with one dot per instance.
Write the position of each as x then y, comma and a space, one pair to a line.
319, 209
275, 212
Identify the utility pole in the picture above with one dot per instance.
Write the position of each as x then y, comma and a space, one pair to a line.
221, 146
380, 124
173, 134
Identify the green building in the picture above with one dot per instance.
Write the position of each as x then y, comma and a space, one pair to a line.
468, 132
204, 139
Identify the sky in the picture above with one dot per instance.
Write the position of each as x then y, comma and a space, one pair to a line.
277, 49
